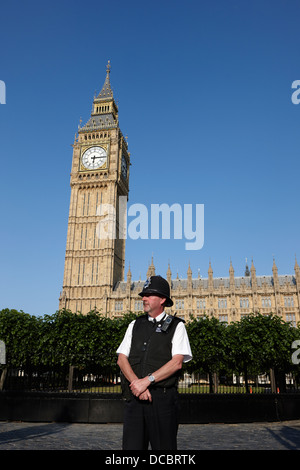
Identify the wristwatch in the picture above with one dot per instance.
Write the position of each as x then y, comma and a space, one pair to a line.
151, 378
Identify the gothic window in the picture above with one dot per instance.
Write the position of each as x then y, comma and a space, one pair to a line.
290, 317
80, 276
138, 305
288, 301
96, 274
92, 278
83, 268
78, 279
118, 306
244, 303
266, 302
223, 318
222, 303
81, 239
88, 204
179, 304
200, 303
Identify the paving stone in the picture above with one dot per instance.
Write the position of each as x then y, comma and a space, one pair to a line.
78, 436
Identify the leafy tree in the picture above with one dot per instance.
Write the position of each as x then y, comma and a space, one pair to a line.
258, 343
208, 343
19, 331
83, 340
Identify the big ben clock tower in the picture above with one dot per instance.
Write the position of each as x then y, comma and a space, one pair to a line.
99, 176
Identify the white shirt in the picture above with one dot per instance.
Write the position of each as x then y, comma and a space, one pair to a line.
180, 340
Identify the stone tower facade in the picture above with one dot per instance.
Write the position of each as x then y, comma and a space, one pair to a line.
95, 251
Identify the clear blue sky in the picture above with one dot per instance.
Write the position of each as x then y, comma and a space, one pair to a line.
204, 95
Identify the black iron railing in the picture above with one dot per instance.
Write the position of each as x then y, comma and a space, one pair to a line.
107, 381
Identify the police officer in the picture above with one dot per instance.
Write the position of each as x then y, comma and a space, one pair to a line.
150, 358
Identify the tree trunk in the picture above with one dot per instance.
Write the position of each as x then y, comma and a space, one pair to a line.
272, 380
70, 381
246, 380
2, 378
211, 383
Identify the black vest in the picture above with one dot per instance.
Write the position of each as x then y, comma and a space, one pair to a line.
151, 348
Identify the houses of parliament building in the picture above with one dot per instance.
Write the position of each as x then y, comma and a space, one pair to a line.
94, 266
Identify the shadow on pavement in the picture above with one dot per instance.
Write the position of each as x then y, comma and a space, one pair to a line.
30, 432
287, 436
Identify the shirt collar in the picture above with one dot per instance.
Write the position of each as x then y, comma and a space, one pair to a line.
158, 318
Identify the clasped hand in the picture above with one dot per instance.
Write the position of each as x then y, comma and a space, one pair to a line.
139, 388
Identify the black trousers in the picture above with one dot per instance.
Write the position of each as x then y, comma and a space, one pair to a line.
154, 423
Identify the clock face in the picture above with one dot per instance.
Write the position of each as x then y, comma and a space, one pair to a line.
124, 167
94, 157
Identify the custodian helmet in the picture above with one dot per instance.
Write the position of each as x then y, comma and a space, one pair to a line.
157, 285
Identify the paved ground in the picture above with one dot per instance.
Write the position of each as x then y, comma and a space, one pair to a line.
64, 436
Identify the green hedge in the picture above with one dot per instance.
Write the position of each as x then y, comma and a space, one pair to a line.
253, 345
64, 338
